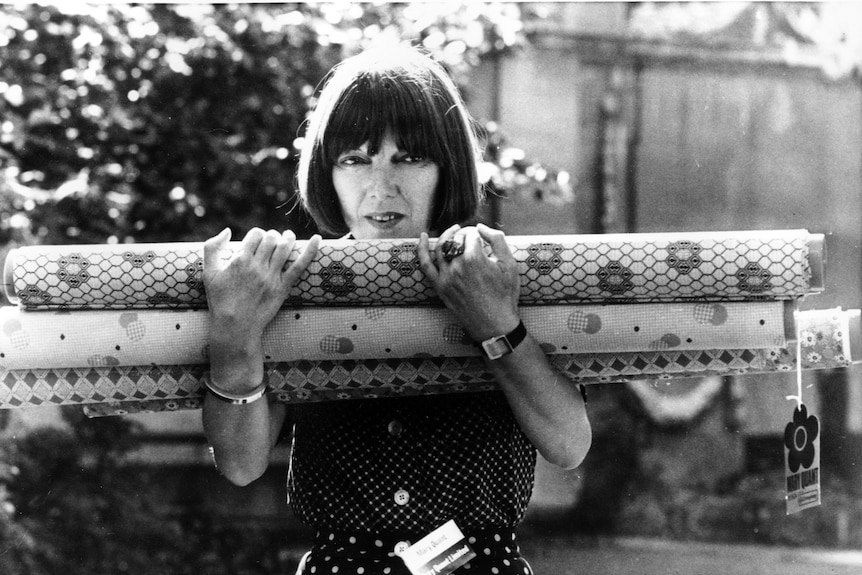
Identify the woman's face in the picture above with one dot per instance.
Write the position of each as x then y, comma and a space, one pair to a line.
387, 195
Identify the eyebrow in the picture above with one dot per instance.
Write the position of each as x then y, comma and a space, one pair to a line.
398, 150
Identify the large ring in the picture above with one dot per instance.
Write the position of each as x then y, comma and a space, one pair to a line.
452, 248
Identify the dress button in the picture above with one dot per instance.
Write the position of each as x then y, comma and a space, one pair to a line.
402, 497
401, 547
395, 428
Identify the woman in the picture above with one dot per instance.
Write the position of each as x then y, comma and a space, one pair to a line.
390, 153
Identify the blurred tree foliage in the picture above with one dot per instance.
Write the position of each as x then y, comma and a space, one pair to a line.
165, 123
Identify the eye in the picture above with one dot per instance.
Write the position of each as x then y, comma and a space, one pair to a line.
351, 159
414, 159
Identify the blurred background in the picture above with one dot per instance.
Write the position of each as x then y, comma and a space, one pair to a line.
156, 123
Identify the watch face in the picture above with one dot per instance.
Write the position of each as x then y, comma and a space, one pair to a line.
496, 347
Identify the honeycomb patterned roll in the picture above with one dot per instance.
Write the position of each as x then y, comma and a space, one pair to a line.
620, 268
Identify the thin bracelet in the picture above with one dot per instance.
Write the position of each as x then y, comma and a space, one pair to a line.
233, 398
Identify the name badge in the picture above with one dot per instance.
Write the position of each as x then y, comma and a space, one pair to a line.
438, 553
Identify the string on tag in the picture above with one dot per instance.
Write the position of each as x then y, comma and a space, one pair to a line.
798, 396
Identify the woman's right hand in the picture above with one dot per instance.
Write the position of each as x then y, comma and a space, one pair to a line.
246, 291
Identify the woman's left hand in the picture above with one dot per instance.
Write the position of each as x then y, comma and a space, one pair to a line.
481, 290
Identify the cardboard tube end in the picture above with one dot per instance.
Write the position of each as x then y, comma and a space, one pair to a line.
9, 277
816, 261
854, 320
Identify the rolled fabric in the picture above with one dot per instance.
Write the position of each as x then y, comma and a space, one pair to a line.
829, 339
708, 266
166, 337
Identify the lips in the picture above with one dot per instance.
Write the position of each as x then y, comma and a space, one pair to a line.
384, 219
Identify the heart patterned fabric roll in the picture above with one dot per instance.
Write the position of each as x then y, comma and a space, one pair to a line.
713, 266
164, 337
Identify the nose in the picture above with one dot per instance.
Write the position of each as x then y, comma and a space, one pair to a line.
383, 182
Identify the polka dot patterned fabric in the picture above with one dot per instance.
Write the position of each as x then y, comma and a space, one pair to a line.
31, 340
497, 553
411, 464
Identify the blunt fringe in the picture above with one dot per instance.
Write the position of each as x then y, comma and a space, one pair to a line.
403, 90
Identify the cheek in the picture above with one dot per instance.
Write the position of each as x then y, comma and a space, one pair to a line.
427, 189
345, 189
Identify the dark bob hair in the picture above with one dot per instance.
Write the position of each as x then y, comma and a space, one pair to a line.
405, 91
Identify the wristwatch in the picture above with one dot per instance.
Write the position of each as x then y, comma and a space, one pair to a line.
500, 345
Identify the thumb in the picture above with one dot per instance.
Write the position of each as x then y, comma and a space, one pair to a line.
213, 247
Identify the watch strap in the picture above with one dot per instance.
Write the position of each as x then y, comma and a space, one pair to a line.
498, 346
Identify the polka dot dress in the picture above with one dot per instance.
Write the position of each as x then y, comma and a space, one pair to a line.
496, 550
392, 470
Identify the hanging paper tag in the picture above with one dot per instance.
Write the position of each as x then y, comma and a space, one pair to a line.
439, 553
802, 460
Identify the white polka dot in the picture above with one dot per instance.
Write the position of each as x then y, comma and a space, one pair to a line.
497, 537
526, 571
506, 562
332, 536
378, 543
494, 570
472, 540
335, 569
352, 539
487, 551
327, 558
360, 570
313, 569
387, 570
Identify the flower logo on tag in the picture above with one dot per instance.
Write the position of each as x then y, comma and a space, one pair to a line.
799, 436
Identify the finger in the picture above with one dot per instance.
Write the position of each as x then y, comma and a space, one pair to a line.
444, 237
452, 248
473, 246
251, 241
425, 263
498, 242
213, 247
268, 243
283, 249
294, 271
